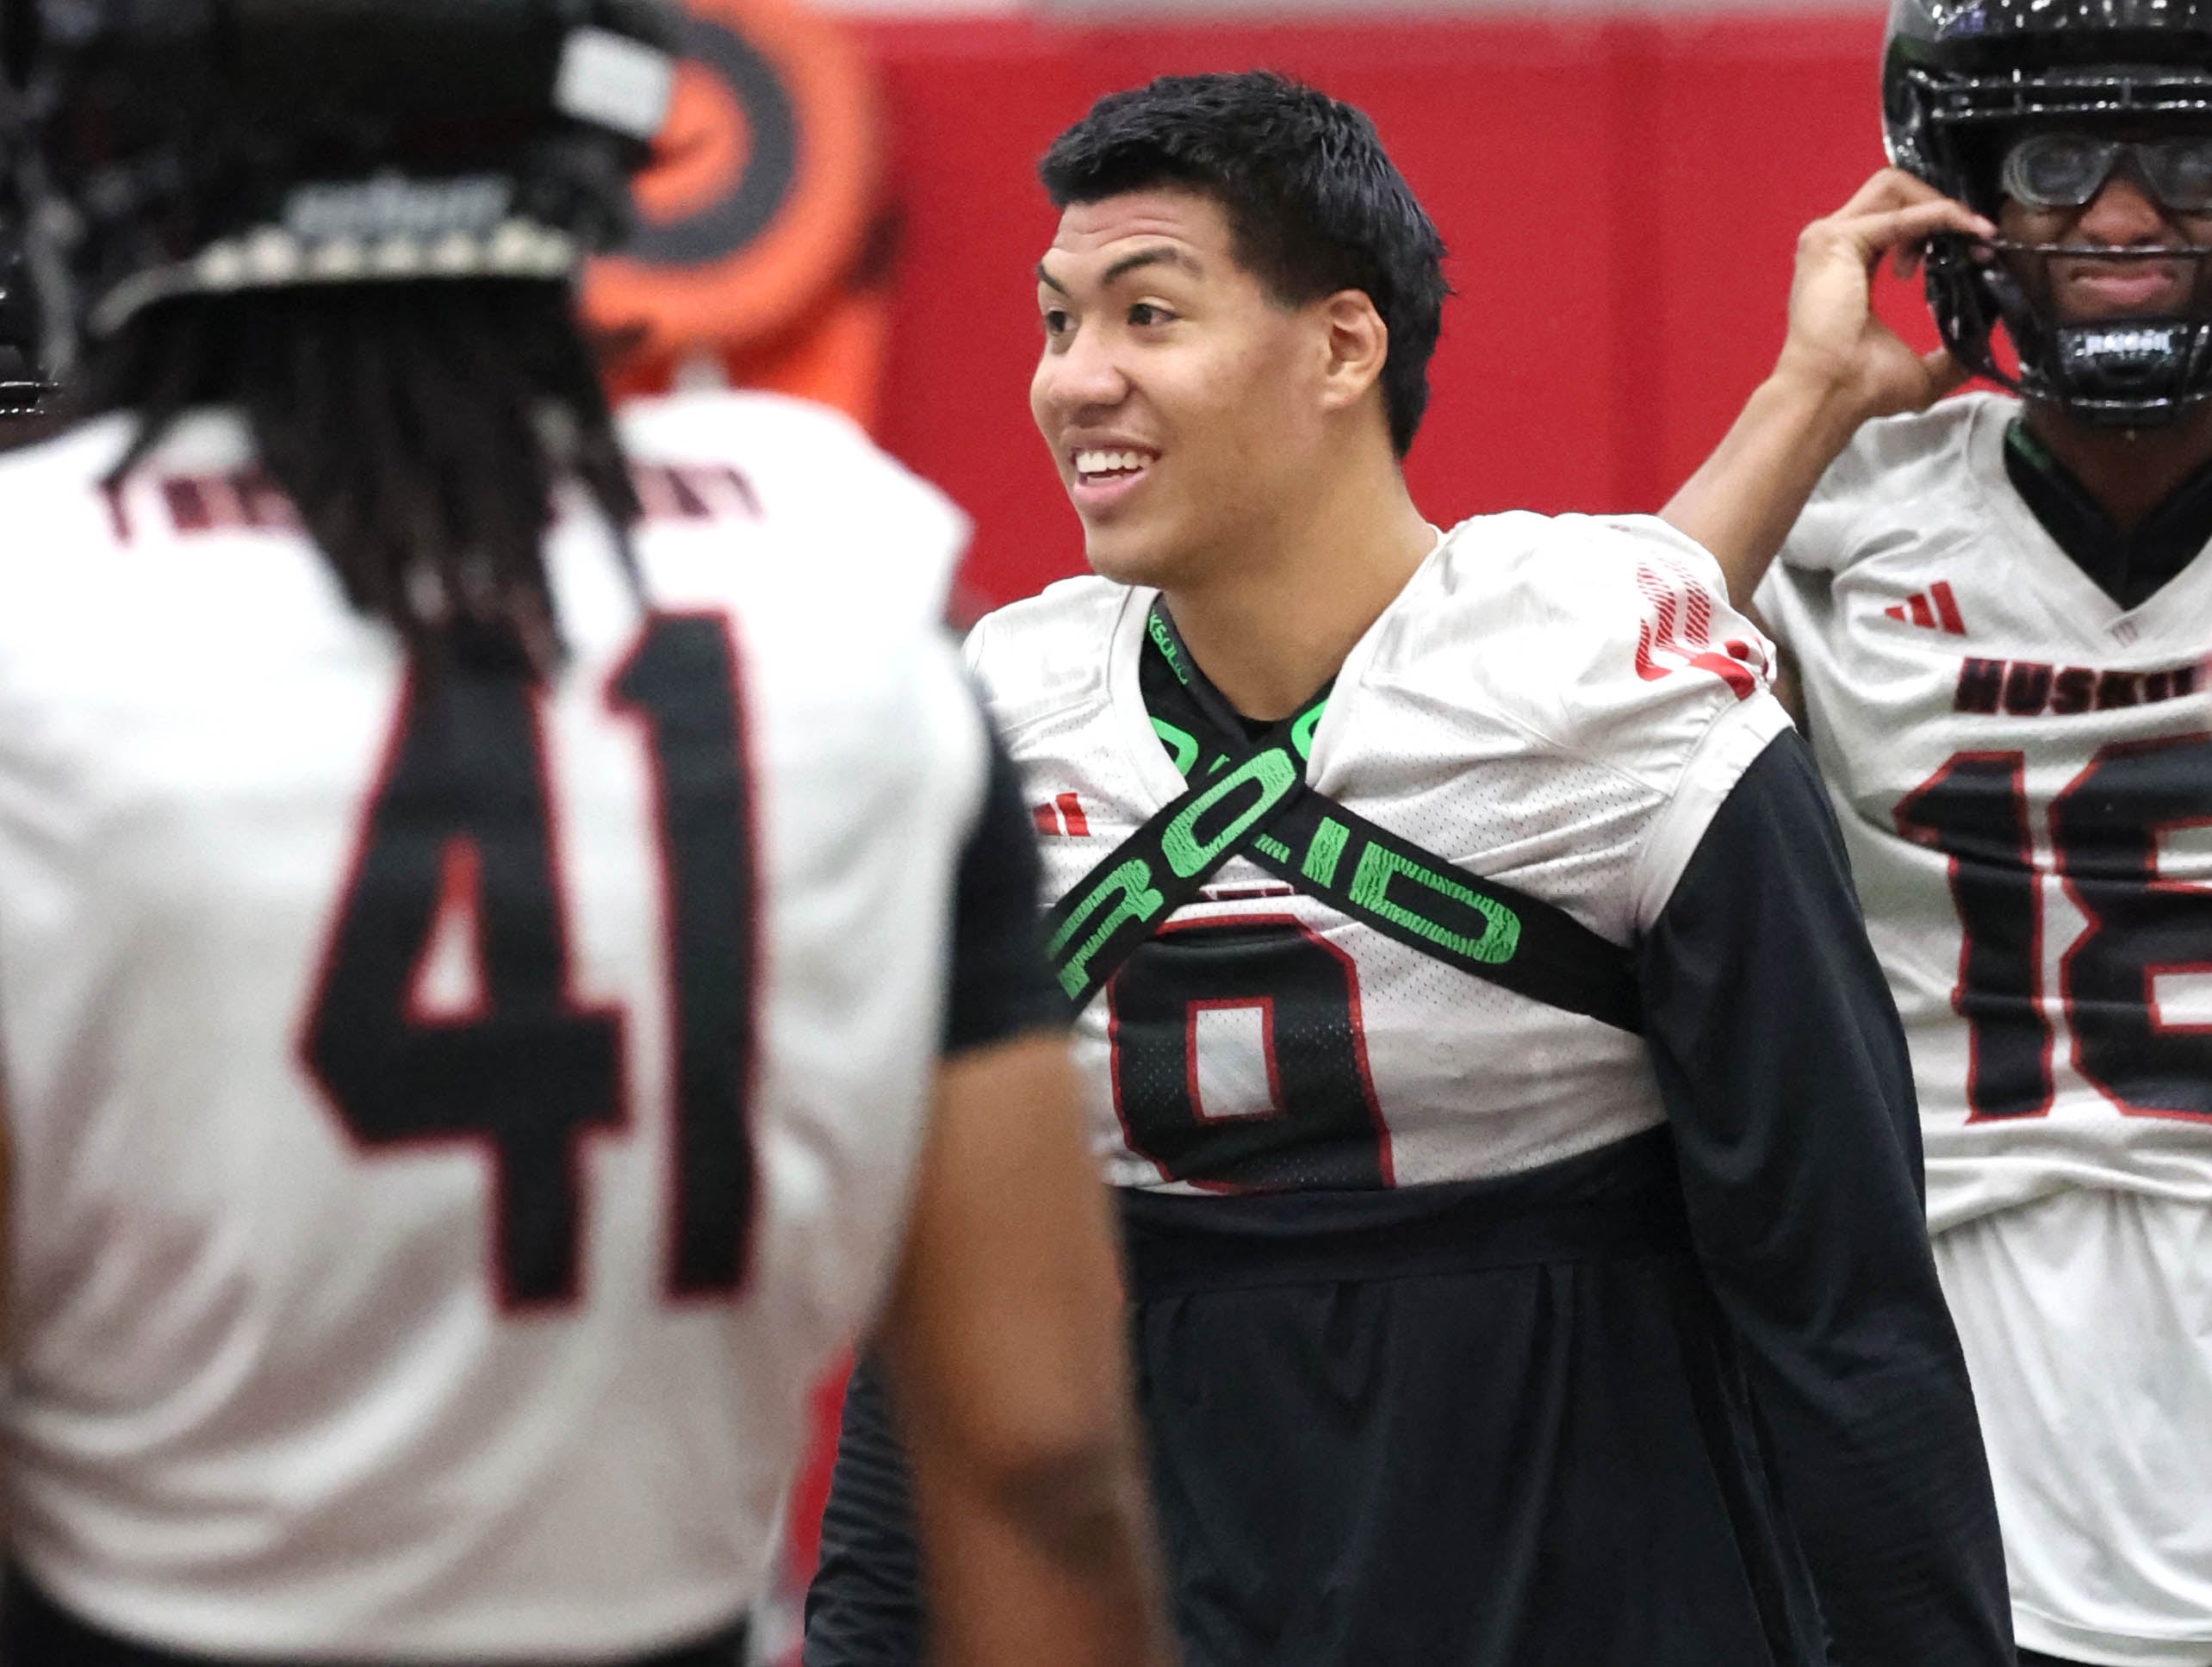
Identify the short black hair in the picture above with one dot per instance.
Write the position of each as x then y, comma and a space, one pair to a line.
1313, 204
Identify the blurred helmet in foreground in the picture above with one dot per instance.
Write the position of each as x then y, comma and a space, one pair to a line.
171, 147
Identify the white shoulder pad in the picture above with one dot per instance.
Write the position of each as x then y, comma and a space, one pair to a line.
814, 476
62, 526
1049, 652
1612, 639
1893, 467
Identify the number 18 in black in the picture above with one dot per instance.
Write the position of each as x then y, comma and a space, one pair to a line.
2105, 829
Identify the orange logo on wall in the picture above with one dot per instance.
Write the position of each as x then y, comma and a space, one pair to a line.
754, 213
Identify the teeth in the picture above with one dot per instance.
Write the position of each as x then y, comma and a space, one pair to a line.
1108, 463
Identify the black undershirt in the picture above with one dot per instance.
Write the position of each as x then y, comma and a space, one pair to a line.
2129, 567
1000, 984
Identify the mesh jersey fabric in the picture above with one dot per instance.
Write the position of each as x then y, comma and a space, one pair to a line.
1557, 705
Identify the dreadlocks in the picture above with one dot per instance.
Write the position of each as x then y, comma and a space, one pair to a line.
418, 429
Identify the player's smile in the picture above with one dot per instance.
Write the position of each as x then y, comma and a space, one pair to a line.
1104, 471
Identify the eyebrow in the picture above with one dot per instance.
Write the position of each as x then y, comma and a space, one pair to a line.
1165, 254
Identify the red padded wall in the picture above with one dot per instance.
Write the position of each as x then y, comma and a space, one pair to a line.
1621, 197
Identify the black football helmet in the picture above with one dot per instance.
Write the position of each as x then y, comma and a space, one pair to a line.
1960, 79
22, 387
168, 147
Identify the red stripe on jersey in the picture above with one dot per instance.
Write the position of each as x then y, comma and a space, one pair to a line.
1674, 594
1896, 613
1071, 809
1921, 614
1046, 817
1947, 607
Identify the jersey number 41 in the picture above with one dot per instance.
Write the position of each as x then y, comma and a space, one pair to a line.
529, 1069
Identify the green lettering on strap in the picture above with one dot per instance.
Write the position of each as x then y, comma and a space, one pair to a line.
1272, 772
1181, 742
1273, 846
1301, 732
1129, 889
1164, 640
1328, 842
1370, 890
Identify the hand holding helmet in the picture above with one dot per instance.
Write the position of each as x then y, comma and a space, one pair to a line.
1837, 348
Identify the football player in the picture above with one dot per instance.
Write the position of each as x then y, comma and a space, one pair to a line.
1513, 1137
1998, 606
518, 943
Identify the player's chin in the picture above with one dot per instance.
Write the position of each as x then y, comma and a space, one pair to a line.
1128, 555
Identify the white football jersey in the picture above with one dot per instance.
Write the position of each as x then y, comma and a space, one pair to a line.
1556, 704
2024, 772
453, 1125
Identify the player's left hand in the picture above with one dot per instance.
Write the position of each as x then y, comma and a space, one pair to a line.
1837, 348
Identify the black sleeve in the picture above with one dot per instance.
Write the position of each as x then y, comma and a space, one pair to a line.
1000, 983
864, 1608
1783, 1066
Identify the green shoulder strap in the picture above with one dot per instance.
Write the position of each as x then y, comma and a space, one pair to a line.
1258, 804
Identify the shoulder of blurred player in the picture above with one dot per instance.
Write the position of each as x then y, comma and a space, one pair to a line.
65, 528
47, 456
804, 468
1891, 470
1034, 656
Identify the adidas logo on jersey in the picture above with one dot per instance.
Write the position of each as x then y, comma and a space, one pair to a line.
1933, 609
1063, 816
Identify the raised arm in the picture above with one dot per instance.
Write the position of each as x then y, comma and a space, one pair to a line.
1839, 366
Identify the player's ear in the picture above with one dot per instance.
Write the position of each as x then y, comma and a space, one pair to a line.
1358, 343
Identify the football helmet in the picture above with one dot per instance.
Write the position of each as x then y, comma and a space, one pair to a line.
168, 147
1963, 79
22, 388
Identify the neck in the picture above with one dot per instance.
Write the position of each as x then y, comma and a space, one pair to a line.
1271, 629
2128, 471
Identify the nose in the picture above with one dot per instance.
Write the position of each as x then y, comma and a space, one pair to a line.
1085, 374
2122, 213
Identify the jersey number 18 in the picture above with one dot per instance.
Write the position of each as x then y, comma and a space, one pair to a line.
2105, 829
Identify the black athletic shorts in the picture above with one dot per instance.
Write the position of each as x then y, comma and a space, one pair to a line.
1488, 1426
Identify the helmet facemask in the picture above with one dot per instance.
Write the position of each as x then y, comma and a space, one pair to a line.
1950, 127
2128, 371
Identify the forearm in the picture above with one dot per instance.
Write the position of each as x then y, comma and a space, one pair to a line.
1745, 496
1004, 1344
1052, 1563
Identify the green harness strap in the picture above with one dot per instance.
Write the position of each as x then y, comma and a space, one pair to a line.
1258, 804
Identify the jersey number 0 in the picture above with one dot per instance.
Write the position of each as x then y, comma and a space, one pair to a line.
529, 1069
